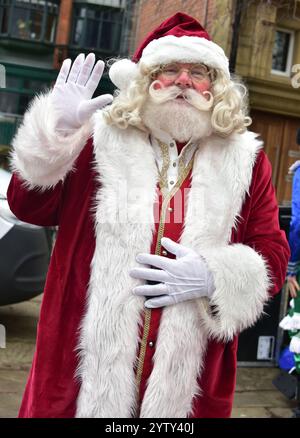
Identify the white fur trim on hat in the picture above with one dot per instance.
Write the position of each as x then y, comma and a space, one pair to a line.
169, 49
122, 72
185, 49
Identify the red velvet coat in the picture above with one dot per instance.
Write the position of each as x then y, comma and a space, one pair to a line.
52, 390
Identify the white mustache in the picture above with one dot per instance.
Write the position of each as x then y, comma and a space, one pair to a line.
194, 98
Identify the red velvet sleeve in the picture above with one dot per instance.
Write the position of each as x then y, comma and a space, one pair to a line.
34, 206
44, 207
263, 232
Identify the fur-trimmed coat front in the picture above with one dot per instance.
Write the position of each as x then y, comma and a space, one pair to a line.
89, 327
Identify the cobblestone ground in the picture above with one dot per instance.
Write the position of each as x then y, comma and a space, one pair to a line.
255, 395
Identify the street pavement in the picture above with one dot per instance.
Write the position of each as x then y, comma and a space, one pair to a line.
255, 396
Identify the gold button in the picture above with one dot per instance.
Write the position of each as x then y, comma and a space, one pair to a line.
164, 252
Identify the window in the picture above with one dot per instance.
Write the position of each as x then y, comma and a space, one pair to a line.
19, 91
283, 52
296, 14
22, 83
97, 28
29, 19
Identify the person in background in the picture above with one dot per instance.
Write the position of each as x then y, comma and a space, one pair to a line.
291, 321
294, 234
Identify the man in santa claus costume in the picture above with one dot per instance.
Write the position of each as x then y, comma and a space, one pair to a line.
168, 243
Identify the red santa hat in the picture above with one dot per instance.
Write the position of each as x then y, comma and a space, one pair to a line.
180, 38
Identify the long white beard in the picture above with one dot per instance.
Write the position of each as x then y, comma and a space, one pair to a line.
176, 117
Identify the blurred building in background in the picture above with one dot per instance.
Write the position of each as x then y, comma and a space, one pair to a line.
37, 35
269, 47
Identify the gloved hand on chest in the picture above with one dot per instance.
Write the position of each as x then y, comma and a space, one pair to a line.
185, 278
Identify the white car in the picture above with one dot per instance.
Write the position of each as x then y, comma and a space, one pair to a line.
24, 253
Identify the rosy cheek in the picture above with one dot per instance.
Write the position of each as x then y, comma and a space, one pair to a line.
203, 86
163, 82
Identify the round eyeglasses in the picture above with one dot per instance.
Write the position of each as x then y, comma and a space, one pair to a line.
197, 72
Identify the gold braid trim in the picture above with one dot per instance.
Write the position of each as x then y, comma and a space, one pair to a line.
167, 196
163, 173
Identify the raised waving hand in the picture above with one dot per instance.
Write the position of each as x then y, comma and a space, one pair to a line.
73, 91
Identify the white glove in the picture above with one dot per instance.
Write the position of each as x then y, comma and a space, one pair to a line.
185, 278
295, 344
73, 91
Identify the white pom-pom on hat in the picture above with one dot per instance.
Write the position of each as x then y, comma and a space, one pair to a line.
122, 72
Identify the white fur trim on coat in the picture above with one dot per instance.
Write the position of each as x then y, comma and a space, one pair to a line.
124, 227
40, 156
110, 329
242, 283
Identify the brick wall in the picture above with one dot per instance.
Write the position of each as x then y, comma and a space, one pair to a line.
150, 13
63, 32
